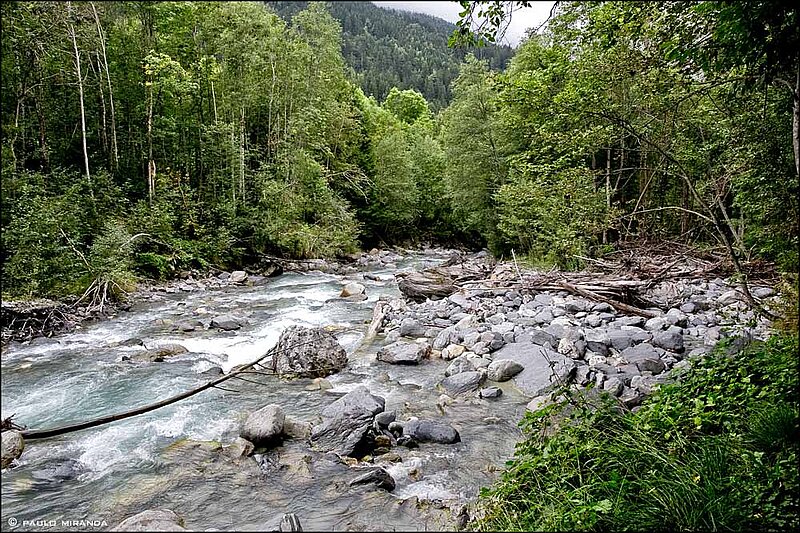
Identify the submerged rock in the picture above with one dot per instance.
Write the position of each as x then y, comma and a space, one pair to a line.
152, 520
308, 352
227, 322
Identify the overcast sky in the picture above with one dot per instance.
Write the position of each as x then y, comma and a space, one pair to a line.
530, 17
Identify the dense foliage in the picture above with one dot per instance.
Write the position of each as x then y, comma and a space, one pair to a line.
143, 138
717, 450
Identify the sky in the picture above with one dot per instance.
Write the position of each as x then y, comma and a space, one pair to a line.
522, 19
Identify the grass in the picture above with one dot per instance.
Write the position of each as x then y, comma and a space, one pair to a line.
715, 451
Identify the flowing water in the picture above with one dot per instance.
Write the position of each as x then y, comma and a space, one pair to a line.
170, 458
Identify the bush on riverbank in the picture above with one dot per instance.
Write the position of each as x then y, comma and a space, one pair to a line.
717, 450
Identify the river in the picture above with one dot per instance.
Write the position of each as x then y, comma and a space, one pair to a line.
170, 458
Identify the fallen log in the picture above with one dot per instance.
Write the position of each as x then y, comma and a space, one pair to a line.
625, 308
61, 430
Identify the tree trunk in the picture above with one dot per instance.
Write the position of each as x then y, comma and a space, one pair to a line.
151, 165
114, 150
71, 30
608, 190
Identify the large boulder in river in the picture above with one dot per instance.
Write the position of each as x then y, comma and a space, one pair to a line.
345, 422
264, 426
404, 353
157, 354
12, 446
152, 520
352, 289
308, 352
544, 368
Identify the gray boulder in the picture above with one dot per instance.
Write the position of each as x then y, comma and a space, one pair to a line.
463, 382
490, 392
443, 338
346, 421
308, 352
227, 322
375, 476
12, 446
404, 353
645, 356
152, 520
264, 426
430, 431
538, 376
669, 340
458, 365
352, 289
238, 276
504, 369
410, 327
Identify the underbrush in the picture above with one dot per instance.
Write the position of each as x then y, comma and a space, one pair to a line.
716, 450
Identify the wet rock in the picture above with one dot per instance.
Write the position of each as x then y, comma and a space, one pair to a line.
239, 448
352, 289
459, 365
12, 446
264, 426
63, 471
296, 429
490, 392
375, 476
213, 372
389, 457
290, 522
538, 377
404, 353
188, 325
152, 520
227, 322
346, 421
308, 352
463, 382
385, 418
238, 276
430, 431
157, 354
503, 369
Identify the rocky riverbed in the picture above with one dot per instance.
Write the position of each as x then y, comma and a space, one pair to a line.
394, 430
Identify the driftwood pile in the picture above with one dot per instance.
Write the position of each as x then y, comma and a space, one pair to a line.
444, 280
621, 280
22, 321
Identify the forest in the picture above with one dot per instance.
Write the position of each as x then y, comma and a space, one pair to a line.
141, 139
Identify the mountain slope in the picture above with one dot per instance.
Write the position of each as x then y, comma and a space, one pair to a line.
389, 48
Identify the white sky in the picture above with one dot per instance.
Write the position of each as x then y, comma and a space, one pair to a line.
530, 17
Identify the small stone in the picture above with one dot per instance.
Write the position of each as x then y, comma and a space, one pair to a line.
613, 385
376, 476
490, 392
504, 369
